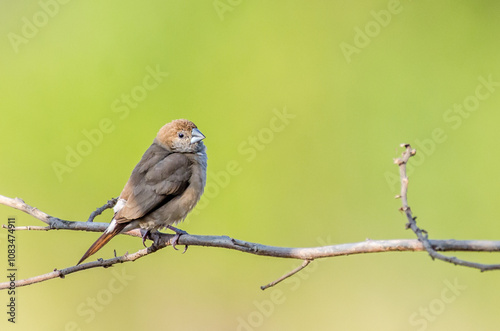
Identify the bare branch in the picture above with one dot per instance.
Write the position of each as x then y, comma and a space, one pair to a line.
308, 254
412, 223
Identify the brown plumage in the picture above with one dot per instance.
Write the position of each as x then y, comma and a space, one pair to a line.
164, 186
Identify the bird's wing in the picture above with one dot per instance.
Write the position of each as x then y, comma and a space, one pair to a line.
151, 186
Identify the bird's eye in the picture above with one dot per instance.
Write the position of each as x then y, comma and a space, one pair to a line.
180, 135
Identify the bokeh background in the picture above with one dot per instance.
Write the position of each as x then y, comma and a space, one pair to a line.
309, 102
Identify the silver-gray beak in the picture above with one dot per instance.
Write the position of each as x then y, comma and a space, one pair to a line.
196, 136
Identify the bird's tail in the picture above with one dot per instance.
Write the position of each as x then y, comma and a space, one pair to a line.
110, 232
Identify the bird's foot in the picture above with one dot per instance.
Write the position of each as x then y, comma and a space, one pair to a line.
175, 240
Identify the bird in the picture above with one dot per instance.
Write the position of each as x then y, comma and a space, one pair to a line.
164, 186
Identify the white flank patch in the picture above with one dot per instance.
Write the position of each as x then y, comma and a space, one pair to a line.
119, 205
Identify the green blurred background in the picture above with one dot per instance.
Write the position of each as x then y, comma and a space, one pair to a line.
356, 80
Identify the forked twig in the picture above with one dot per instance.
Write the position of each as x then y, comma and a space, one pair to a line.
422, 235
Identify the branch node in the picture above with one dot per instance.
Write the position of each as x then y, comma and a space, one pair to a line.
245, 244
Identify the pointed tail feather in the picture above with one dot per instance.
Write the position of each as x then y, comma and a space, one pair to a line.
103, 240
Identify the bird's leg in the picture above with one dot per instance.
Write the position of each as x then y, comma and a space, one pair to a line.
175, 239
145, 234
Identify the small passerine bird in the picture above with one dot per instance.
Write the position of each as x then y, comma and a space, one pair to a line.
164, 186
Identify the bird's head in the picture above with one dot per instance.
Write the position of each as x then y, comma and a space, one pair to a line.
181, 136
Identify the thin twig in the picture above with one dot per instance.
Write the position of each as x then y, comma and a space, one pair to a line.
412, 223
110, 204
19, 204
89, 265
285, 276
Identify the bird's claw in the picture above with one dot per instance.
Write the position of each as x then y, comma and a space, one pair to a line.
145, 235
175, 240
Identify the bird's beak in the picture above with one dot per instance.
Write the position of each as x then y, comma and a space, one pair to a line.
196, 136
